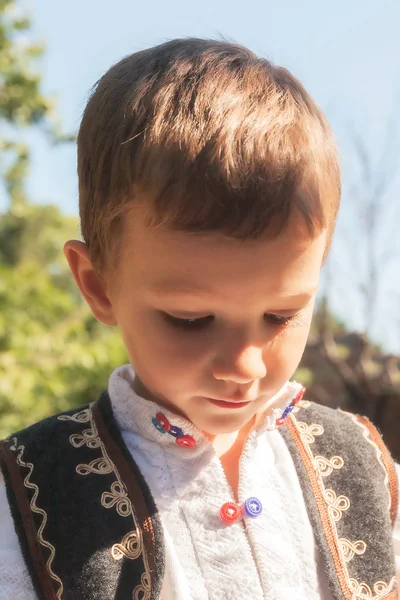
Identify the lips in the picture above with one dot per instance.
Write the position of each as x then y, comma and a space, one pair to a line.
229, 403
231, 400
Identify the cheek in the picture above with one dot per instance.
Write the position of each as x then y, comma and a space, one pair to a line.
152, 343
286, 350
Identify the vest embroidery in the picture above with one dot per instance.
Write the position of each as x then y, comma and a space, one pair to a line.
367, 435
20, 449
131, 546
331, 512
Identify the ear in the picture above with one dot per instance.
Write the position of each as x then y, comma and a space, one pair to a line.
89, 282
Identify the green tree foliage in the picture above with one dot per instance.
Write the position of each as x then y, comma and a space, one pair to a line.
53, 353
21, 102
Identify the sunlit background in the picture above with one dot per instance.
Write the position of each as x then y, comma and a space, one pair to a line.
52, 353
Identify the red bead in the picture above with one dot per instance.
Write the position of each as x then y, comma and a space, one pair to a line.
230, 512
299, 396
279, 422
186, 440
162, 419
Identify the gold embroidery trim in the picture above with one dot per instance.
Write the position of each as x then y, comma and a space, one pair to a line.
345, 550
142, 592
367, 435
20, 449
131, 546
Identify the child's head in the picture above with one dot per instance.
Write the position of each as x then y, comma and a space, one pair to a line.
209, 187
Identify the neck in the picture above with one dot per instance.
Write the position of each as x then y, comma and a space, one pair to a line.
229, 447
229, 443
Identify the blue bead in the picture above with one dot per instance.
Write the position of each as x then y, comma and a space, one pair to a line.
253, 507
176, 432
158, 426
287, 411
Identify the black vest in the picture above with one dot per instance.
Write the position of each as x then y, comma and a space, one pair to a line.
89, 528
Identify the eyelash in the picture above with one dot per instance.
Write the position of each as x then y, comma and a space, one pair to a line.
202, 323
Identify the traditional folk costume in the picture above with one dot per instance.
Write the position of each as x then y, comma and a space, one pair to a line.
123, 500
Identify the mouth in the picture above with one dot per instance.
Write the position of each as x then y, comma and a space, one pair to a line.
228, 403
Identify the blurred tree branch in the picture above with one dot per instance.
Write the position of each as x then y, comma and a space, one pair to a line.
369, 379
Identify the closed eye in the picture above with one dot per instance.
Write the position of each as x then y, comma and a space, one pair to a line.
203, 322
187, 324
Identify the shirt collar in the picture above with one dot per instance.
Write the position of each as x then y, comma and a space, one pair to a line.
136, 414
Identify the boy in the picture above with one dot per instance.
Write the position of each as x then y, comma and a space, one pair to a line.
209, 188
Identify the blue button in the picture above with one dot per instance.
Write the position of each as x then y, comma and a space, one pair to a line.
253, 507
177, 432
158, 426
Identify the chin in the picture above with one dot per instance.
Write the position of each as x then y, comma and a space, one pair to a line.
223, 426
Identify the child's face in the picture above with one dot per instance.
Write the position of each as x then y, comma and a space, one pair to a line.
241, 291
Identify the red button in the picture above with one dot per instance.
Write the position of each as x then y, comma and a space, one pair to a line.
230, 512
162, 419
279, 422
186, 440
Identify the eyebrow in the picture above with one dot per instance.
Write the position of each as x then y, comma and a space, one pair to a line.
173, 288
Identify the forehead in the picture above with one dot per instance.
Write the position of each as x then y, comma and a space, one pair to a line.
165, 262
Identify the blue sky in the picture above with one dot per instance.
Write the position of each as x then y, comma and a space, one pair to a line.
346, 53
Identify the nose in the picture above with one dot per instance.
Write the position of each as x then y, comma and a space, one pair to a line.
240, 367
